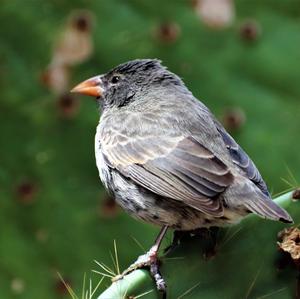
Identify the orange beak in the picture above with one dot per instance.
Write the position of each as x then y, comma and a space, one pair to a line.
91, 87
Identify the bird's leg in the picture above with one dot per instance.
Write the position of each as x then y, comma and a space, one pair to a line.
150, 259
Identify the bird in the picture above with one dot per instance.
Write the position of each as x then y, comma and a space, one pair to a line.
166, 158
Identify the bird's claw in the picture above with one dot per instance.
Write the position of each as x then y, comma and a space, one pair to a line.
148, 260
159, 281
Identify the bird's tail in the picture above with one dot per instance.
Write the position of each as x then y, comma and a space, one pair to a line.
265, 207
258, 203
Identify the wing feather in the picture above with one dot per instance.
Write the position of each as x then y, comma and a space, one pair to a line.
242, 160
176, 167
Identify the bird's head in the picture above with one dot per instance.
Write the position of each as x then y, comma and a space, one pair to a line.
128, 82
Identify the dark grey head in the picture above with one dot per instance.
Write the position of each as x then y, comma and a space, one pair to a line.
128, 82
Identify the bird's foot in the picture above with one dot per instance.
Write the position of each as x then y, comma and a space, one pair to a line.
148, 260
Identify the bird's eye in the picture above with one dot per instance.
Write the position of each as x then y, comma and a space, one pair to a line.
115, 79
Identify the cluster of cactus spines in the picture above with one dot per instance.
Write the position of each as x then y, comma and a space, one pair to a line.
256, 258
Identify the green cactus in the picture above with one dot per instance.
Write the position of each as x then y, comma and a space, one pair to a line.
246, 263
52, 216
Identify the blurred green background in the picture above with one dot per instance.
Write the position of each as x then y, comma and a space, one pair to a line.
240, 58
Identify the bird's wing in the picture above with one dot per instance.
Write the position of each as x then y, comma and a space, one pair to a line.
176, 167
242, 160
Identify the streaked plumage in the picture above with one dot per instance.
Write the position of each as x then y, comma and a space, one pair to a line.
167, 160
165, 157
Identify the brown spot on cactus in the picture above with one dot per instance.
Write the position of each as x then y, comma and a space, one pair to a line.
82, 22
233, 119
289, 241
26, 192
296, 194
250, 30
109, 208
168, 32
67, 105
